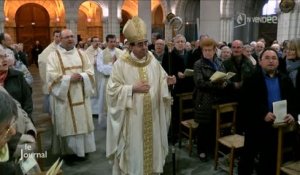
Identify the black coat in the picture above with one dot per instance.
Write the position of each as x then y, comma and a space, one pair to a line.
178, 64
16, 85
206, 93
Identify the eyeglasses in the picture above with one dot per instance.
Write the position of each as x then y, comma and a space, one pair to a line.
11, 126
67, 37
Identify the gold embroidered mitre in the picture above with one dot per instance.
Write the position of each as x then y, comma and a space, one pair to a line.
135, 30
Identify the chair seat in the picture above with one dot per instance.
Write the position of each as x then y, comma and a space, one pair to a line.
232, 141
190, 123
291, 168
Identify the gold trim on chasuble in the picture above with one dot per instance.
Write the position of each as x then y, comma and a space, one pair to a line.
71, 105
147, 114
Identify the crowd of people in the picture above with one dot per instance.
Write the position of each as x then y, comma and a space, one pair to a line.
132, 88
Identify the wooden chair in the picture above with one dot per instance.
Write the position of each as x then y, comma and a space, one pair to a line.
225, 132
289, 168
188, 125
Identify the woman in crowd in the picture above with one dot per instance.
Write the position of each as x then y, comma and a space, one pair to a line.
225, 53
15, 84
8, 116
247, 51
206, 94
293, 65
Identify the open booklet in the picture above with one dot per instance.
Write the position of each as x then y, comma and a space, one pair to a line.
188, 72
221, 76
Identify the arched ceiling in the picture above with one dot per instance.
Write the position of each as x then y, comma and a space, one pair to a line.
131, 6
55, 8
91, 9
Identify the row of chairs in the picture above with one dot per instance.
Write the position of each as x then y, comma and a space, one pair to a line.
225, 133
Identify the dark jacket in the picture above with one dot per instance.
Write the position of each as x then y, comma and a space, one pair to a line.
179, 64
16, 85
254, 99
206, 93
243, 70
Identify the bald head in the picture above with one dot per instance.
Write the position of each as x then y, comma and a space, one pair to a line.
159, 46
67, 39
237, 48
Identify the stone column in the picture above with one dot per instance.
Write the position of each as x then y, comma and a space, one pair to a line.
114, 24
210, 18
227, 21
288, 24
144, 11
105, 25
72, 17
226, 29
72, 25
2, 17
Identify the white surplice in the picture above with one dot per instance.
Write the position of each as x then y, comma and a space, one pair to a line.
42, 61
127, 113
70, 102
104, 67
93, 53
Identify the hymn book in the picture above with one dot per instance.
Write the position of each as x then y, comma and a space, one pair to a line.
221, 76
188, 72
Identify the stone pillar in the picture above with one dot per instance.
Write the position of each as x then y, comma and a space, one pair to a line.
72, 25
105, 25
226, 29
72, 16
210, 18
144, 12
114, 24
227, 21
2, 17
288, 24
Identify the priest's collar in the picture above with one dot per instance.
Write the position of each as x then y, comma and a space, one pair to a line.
131, 59
64, 50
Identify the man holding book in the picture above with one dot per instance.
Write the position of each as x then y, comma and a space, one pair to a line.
258, 95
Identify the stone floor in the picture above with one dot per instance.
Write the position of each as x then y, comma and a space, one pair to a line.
98, 164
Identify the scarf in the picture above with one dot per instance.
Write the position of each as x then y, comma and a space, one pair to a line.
292, 69
3, 76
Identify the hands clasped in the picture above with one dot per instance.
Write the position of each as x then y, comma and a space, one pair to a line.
141, 87
76, 77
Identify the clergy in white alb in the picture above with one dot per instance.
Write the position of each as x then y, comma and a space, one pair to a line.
70, 79
42, 61
104, 66
139, 108
92, 52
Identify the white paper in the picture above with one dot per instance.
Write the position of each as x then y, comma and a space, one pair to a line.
28, 164
279, 110
188, 72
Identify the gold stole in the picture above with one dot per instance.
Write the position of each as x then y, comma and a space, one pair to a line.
147, 114
71, 105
